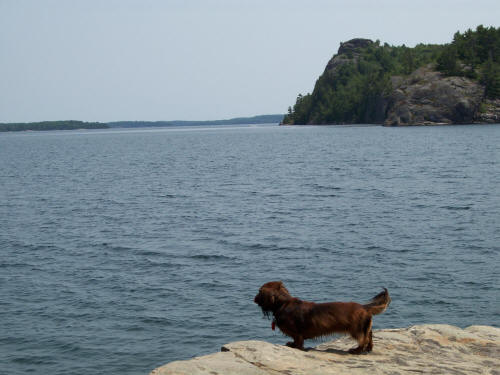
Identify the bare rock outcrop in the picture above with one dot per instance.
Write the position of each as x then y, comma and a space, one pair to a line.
348, 53
427, 97
489, 112
424, 349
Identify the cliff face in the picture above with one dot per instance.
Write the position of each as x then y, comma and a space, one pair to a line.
427, 97
349, 52
428, 349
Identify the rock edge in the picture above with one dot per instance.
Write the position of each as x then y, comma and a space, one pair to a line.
424, 349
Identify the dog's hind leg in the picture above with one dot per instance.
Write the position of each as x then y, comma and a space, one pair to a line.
358, 349
367, 333
369, 347
360, 338
363, 337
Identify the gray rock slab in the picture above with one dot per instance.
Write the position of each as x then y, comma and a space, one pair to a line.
423, 349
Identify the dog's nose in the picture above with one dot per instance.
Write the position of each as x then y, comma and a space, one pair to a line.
256, 299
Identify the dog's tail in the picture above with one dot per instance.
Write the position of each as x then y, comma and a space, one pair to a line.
379, 303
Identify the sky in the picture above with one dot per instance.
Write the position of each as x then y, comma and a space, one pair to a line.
111, 60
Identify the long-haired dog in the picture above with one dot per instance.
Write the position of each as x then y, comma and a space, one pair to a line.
303, 320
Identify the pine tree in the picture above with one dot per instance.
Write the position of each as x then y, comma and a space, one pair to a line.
491, 79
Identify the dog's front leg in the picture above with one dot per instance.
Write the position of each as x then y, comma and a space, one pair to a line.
298, 343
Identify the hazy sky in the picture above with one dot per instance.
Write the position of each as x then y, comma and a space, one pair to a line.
105, 60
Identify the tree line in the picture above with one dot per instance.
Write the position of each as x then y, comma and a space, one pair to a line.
476, 55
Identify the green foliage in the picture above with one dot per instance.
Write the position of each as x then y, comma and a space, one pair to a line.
51, 125
355, 91
490, 77
474, 54
448, 62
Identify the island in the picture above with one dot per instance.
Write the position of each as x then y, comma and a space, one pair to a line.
370, 83
51, 125
421, 349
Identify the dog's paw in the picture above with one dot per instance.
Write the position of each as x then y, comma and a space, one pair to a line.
292, 344
357, 350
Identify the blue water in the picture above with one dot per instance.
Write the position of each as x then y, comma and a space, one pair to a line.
121, 250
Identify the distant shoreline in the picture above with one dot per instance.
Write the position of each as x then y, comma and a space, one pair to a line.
75, 125
51, 125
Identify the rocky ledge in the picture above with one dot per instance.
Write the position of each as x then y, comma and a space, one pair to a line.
423, 349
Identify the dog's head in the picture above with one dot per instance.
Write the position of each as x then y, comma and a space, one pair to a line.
271, 296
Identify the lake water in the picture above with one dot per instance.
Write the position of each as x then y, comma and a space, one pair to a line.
121, 250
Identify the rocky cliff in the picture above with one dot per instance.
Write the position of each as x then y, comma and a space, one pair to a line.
349, 52
424, 349
366, 82
427, 97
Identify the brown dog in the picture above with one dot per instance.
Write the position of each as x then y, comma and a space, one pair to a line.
303, 320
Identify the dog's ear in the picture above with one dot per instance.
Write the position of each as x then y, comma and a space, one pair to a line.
281, 285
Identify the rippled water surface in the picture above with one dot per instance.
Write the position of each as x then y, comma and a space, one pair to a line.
123, 250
